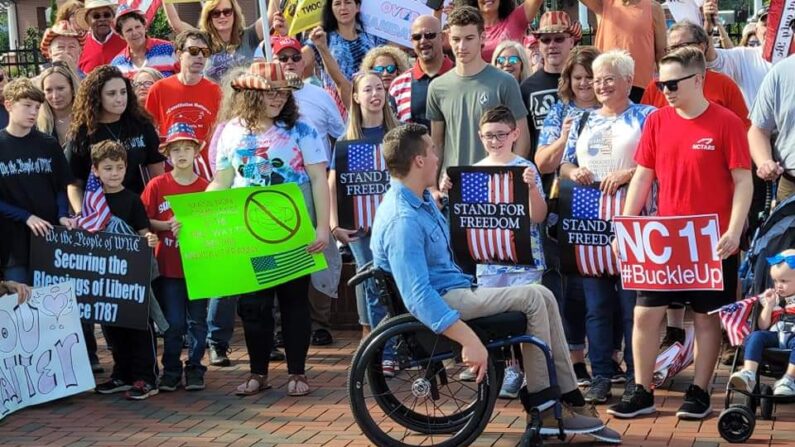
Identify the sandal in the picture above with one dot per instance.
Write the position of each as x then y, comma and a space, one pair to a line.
261, 381
292, 383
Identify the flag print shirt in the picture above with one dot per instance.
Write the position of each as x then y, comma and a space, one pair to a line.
532, 271
275, 156
159, 55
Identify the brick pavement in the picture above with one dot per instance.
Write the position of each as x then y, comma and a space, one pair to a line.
217, 418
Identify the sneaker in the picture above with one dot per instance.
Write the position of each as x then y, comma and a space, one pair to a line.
169, 383
194, 379
467, 376
581, 371
218, 356
606, 434
696, 404
672, 335
512, 383
640, 401
322, 337
600, 391
629, 388
619, 375
573, 422
140, 391
388, 368
743, 380
112, 386
785, 386
276, 355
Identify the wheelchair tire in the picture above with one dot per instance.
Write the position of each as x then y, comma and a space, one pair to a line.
766, 403
736, 424
458, 426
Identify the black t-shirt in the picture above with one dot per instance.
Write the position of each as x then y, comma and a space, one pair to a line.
540, 93
142, 150
128, 207
33, 172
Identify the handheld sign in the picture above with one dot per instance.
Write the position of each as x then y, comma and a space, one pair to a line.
669, 253
43, 347
391, 19
779, 41
110, 273
243, 240
489, 216
362, 180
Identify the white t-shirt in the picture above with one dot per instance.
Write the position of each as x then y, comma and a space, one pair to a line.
319, 110
746, 66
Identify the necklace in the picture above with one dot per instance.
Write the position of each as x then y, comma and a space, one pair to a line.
110, 131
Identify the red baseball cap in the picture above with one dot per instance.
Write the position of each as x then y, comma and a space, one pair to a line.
281, 42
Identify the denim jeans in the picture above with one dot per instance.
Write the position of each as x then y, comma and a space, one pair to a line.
757, 341
18, 273
376, 312
221, 321
602, 296
183, 316
568, 294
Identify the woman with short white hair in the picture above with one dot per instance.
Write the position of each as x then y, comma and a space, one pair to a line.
601, 149
511, 57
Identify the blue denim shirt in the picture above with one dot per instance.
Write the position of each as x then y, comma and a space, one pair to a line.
410, 239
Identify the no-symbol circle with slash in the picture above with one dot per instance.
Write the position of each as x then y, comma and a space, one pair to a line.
271, 216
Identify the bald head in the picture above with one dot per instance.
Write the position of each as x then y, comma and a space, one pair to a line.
426, 38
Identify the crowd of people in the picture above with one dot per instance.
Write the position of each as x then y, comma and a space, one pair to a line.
143, 118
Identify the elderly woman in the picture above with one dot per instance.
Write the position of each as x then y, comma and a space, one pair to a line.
143, 80
600, 149
511, 57
387, 62
141, 51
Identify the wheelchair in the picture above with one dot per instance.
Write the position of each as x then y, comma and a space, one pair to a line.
428, 401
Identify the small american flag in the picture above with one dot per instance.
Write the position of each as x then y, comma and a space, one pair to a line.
96, 213
487, 244
364, 157
590, 204
273, 267
148, 7
734, 318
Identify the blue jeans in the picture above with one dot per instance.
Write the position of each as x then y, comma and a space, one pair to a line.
568, 294
221, 322
18, 273
757, 341
602, 297
183, 316
376, 312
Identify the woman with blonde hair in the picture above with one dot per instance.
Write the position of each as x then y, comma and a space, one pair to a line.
59, 84
511, 57
232, 42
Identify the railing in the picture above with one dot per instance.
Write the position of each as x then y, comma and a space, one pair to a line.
23, 62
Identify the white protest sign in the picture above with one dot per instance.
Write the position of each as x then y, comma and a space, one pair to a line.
391, 19
43, 354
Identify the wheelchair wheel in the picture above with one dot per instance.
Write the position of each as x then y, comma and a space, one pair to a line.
766, 403
424, 405
736, 424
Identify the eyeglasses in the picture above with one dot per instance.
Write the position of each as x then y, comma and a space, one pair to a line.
672, 85
297, 57
271, 94
779, 258
512, 60
604, 81
428, 36
226, 12
195, 51
380, 69
144, 84
546, 40
499, 136
104, 15
680, 45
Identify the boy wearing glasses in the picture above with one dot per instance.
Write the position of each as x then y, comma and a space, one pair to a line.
694, 149
102, 44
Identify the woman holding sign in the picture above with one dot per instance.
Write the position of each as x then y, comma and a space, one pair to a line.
600, 149
265, 143
370, 118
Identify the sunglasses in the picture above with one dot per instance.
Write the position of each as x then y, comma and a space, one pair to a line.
557, 39
195, 51
104, 15
380, 69
297, 57
512, 60
428, 36
270, 94
672, 85
226, 12
779, 258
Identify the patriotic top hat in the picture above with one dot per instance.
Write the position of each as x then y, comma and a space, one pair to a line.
82, 14
263, 75
555, 22
60, 29
181, 132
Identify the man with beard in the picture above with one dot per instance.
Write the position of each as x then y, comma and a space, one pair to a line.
102, 44
410, 90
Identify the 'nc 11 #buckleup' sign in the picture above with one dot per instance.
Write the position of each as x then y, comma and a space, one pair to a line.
362, 180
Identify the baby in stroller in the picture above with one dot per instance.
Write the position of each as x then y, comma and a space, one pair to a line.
775, 327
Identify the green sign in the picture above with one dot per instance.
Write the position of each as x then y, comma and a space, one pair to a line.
244, 239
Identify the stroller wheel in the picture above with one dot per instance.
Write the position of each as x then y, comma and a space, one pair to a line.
736, 424
766, 403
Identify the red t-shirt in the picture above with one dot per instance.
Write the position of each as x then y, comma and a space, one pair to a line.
96, 53
157, 207
170, 101
693, 159
718, 88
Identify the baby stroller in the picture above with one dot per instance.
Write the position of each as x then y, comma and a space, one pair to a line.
777, 233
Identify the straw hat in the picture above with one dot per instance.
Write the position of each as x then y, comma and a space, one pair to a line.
60, 29
263, 75
556, 22
81, 16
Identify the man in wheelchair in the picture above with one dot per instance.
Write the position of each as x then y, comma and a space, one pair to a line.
410, 240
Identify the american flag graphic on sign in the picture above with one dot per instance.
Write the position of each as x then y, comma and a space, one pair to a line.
590, 204
489, 244
96, 212
365, 157
148, 7
270, 268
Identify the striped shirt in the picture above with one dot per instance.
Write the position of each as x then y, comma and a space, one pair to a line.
401, 88
159, 55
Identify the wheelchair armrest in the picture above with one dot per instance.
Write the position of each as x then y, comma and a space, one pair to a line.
363, 274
